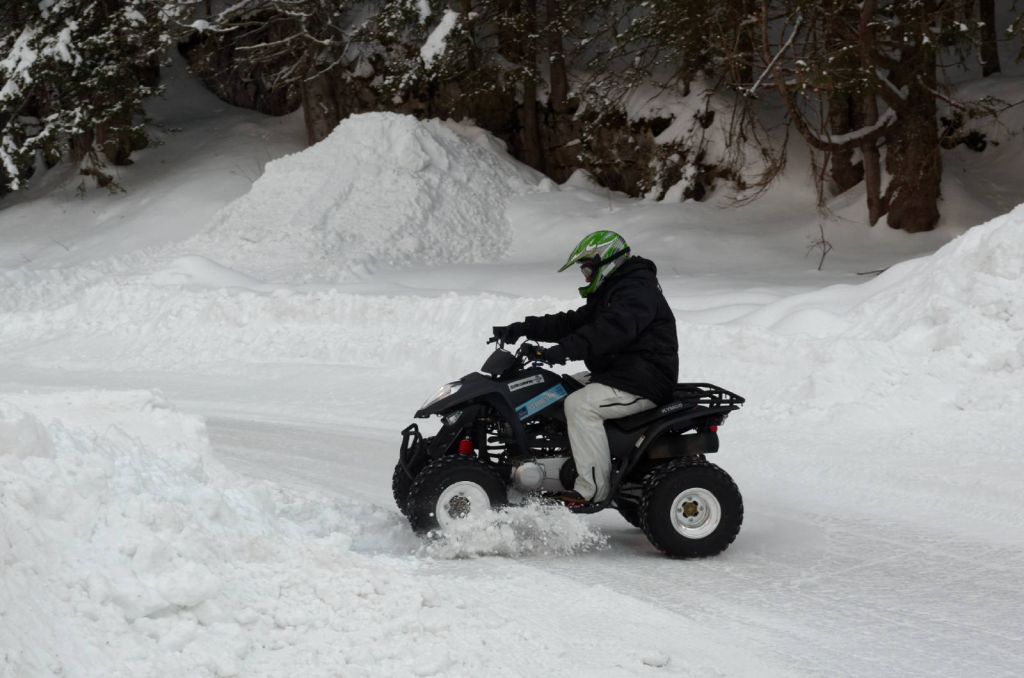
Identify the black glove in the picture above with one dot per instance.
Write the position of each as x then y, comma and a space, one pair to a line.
552, 355
509, 333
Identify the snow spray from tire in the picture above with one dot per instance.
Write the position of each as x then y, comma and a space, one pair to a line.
530, 530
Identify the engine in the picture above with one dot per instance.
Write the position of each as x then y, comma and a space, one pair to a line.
541, 474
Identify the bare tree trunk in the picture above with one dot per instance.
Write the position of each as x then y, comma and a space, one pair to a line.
844, 116
81, 146
556, 56
872, 164
532, 152
116, 141
869, 150
558, 127
913, 154
320, 107
989, 45
744, 69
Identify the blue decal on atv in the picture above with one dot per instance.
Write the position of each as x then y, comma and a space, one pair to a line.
539, 402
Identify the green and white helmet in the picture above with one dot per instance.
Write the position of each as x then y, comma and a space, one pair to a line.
598, 255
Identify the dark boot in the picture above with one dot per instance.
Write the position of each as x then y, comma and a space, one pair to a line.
571, 498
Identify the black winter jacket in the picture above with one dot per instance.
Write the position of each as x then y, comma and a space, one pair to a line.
626, 333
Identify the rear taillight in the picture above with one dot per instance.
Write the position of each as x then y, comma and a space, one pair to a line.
465, 446
713, 429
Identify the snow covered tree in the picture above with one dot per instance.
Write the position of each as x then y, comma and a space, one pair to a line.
73, 79
690, 52
862, 81
858, 78
886, 61
476, 59
340, 56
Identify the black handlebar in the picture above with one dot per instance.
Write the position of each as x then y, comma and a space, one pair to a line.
522, 353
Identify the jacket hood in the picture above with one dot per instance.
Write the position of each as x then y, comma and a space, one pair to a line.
636, 266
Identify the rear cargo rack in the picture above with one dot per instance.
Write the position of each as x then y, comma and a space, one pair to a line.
709, 396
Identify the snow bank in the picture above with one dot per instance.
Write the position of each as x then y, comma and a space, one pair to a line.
968, 298
116, 525
965, 302
126, 551
381, 190
133, 324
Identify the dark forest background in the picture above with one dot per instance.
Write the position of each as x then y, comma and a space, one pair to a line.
866, 84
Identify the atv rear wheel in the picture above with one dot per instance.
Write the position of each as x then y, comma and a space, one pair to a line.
627, 503
451, 489
631, 512
690, 510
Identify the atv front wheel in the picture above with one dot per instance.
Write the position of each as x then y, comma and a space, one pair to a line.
690, 510
400, 484
401, 481
451, 489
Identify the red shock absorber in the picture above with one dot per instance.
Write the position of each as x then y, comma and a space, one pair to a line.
465, 447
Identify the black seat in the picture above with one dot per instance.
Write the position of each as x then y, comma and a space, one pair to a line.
687, 398
641, 419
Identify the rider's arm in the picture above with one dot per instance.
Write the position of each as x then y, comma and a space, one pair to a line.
614, 326
556, 325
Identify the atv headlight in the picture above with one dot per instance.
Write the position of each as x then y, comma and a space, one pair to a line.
442, 393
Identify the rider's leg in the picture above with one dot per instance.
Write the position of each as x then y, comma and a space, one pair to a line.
585, 412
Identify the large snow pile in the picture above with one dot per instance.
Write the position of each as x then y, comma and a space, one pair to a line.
968, 298
116, 526
965, 301
381, 190
126, 551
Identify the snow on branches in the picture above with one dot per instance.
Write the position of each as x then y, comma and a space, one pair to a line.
73, 78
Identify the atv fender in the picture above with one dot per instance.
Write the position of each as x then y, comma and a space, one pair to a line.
654, 440
457, 425
462, 426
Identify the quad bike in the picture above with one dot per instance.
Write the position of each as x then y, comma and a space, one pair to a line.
503, 441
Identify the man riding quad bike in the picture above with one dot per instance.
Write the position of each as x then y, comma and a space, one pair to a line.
626, 336
637, 439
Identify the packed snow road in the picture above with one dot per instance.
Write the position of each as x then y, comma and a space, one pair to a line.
803, 591
839, 569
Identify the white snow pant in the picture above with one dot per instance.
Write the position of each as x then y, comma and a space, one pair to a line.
585, 412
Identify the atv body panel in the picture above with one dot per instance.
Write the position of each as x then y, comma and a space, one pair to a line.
523, 396
511, 418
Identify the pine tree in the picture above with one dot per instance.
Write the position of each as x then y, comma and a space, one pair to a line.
74, 78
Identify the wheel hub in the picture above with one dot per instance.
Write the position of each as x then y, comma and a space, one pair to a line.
696, 513
459, 506
459, 501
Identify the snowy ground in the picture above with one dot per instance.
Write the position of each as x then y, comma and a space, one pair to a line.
202, 383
